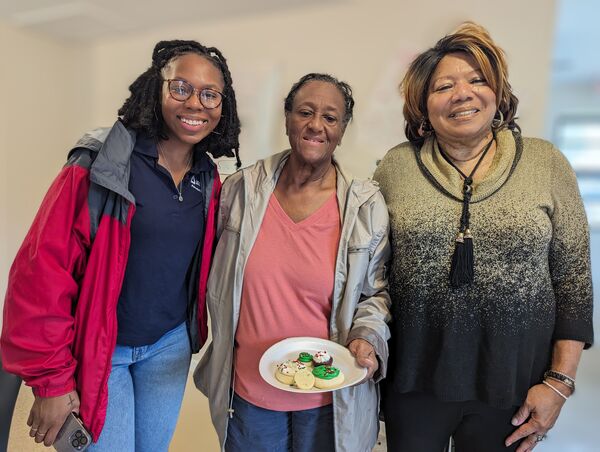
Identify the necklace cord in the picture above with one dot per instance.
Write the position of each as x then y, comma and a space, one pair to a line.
188, 166
462, 265
467, 183
457, 280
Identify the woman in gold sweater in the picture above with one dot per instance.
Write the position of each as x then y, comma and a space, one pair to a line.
490, 282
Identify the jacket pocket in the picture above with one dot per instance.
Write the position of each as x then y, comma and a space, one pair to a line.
358, 249
357, 265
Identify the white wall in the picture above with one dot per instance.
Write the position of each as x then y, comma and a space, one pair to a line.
365, 43
45, 105
4, 115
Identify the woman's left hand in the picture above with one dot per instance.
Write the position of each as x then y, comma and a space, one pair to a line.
535, 417
365, 356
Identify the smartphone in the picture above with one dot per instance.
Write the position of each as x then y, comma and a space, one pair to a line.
72, 436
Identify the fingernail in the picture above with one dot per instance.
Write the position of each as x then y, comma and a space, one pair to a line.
514, 421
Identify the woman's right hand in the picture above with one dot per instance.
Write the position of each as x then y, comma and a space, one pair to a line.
365, 356
48, 414
536, 417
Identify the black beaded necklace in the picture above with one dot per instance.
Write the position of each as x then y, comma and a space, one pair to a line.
461, 270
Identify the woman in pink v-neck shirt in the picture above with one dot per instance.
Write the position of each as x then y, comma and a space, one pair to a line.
294, 263
293, 257
289, 276
302, 252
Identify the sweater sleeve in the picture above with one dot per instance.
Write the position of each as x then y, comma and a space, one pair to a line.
570, 256
38, 326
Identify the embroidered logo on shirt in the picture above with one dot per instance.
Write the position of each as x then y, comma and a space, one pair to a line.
196, 184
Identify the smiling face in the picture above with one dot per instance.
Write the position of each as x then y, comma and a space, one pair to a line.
460, 104
189, 122
315, 123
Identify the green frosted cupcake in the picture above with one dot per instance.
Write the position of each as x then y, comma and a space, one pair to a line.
306, 359
327, 377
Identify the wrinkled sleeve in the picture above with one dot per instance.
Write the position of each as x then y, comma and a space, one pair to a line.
570, 257
38, 325
228, 192
373, 310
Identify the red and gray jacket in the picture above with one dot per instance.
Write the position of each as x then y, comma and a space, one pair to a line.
60, 313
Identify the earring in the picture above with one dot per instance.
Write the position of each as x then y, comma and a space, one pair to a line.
425, 128
497, 122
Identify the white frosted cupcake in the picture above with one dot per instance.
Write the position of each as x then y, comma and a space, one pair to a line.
286, 370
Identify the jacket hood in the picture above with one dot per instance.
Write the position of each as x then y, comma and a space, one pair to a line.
113, 147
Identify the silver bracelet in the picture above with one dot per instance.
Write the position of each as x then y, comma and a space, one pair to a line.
555, 390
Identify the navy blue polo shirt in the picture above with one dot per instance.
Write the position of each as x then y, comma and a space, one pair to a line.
165, 234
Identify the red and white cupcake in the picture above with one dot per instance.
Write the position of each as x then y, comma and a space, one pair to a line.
322, 358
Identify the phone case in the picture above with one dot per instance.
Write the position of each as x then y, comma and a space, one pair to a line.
72, 436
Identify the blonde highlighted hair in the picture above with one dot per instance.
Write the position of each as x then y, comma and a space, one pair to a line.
475, 41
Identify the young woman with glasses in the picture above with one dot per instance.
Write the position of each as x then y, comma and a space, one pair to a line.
105, 300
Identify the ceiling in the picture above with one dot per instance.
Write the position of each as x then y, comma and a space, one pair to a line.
577, 40
85, 20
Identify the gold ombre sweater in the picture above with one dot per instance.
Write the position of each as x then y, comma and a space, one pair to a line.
491, 340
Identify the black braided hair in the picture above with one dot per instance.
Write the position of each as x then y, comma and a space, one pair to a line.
142, 111
343, 87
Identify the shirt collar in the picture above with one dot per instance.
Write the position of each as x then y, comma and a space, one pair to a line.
146, 146
202, 162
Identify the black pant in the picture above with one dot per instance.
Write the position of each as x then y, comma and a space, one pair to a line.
9, 389
418, 422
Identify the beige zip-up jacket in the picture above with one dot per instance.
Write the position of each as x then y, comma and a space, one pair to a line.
361, 304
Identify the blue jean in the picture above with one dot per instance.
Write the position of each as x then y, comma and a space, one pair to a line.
257, 429
145, 390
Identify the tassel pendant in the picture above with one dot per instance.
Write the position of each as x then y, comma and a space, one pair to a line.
461, 270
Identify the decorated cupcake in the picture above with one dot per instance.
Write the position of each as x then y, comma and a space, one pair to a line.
285, 371
327, 377
306, 359
322, 358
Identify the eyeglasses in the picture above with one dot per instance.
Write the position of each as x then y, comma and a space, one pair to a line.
180, 90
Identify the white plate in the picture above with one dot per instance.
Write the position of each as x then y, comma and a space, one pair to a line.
291, 347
